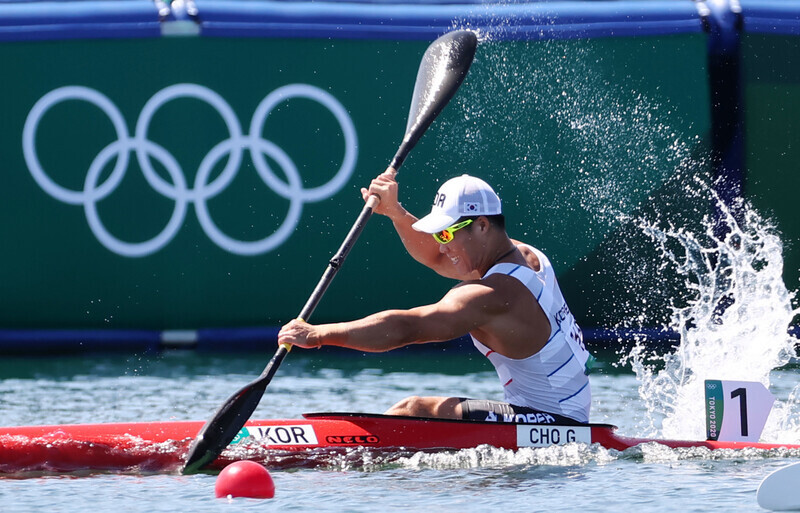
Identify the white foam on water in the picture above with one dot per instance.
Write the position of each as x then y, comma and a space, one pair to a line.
486, 456
653, 452
733, 325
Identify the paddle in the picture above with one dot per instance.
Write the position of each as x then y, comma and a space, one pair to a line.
778, 491
444, 66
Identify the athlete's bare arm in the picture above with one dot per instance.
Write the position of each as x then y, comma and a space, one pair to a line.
463, 309
421, 246
499, 310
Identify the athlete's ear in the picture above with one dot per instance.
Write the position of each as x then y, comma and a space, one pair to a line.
483, 223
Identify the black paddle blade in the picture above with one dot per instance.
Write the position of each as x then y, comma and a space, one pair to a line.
231, 417
223, 427
441, 72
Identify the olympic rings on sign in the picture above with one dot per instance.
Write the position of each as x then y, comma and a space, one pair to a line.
202, 190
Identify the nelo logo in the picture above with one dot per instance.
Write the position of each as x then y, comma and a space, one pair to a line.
352, 440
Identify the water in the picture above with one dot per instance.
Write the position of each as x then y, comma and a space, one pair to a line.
189, 386
581, 138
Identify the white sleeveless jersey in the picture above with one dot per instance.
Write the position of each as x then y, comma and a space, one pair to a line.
555, 379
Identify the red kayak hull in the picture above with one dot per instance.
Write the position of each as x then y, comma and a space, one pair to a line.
146, 447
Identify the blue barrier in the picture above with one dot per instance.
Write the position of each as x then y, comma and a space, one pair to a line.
55, 342
723, 22
560, 20
380, 19
247, 339
779, 17
34, 21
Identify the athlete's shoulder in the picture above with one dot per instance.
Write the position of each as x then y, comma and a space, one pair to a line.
509, 281
526, 248
533, 256
481, 297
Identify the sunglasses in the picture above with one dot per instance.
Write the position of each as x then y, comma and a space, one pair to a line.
446, 236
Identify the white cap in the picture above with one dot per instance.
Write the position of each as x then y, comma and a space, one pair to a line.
458, 197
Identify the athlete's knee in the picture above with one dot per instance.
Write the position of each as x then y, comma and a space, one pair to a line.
416, 406
410, 406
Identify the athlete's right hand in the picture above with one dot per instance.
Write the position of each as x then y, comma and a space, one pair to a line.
299, 333
385, 187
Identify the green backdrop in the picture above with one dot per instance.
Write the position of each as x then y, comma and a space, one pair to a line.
574, 135
772, 106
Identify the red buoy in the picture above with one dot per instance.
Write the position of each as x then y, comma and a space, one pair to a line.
245, 479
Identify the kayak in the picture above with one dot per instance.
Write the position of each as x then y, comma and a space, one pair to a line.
155, 447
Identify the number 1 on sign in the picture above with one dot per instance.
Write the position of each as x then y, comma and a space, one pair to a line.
726, 422
742, 394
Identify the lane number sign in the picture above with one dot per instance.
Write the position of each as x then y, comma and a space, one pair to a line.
736, 411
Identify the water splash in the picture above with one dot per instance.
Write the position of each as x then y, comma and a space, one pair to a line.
603, 152
732, 323
579, 142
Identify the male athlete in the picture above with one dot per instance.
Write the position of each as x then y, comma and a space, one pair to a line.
508, 301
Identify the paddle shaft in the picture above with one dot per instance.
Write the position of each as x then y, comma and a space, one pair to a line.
334, 265
338, 259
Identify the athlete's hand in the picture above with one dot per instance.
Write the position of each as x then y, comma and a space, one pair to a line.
385, 186
299, 333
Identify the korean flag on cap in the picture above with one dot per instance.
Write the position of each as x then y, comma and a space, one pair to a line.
471, 207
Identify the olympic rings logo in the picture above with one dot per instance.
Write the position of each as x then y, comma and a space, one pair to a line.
202, 190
